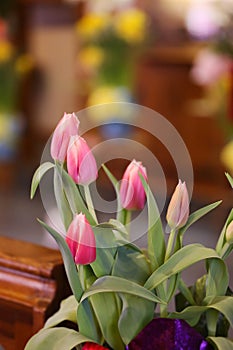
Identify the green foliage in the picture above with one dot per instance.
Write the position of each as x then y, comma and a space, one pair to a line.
116, 296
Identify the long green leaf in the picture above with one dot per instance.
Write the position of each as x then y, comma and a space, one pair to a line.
39, 173
134, 308
115, 183
192, 313
67, 312
119, 285
105, 250
61, 200
70, 267
199, 214
218, 278
56, 338
179, 261
230, 179
73, 195
137, 266
221, 343
87, 322
107, 314
156, 242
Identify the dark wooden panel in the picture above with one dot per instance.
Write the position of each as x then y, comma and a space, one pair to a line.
32, 284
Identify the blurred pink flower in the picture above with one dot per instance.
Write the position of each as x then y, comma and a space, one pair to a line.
132, 193
81, 164
209, 66
178, 209
204, 20
81, 240
67, 127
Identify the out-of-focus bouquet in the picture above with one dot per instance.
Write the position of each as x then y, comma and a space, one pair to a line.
110, 42
122, 293
13, 68
211, 22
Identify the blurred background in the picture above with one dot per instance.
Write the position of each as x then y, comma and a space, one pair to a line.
61, 56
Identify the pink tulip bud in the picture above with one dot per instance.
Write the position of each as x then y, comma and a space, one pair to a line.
132, 193
229, 233
67, 127
178, 209
81, 240
81, 164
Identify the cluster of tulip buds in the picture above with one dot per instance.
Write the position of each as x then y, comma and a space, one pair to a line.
68, 147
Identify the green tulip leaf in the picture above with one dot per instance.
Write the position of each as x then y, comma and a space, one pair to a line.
87, 322
70, 267
192, 314
217, 279
230, 179
134, 308
73, 195
105, 250
120, 211
199, 214
106, 310
156, 242
39, 173
61, 200
138, 269
221, 343
119, 285
179, 261
56, 338
67, 312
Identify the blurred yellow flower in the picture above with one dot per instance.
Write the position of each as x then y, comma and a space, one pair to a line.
109, 96
5, 131
130, 25
91, 57
92, 25
6, 51
227, 156
24, 64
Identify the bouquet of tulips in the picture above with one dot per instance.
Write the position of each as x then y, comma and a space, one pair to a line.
118, 288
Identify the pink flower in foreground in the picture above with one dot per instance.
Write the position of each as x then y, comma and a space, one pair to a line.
67, 127
81, 164
178, 209
81, 240
93, 346
132, 193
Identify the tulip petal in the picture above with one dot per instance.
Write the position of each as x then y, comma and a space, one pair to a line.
132, 193
81, 240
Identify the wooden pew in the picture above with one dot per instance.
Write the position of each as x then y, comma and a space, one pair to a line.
32, 284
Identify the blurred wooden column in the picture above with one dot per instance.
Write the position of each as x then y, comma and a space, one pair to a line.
32, 284
163, 83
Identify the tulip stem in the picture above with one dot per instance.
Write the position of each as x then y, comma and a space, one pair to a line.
225, 250
89, 202
170, 244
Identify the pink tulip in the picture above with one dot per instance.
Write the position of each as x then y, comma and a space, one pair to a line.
178, 209
81, 240
132, 193
67, 127
81, 164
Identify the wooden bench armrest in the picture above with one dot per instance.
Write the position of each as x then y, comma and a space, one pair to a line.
32, 285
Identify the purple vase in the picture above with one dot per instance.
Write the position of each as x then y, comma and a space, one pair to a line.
169, 334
